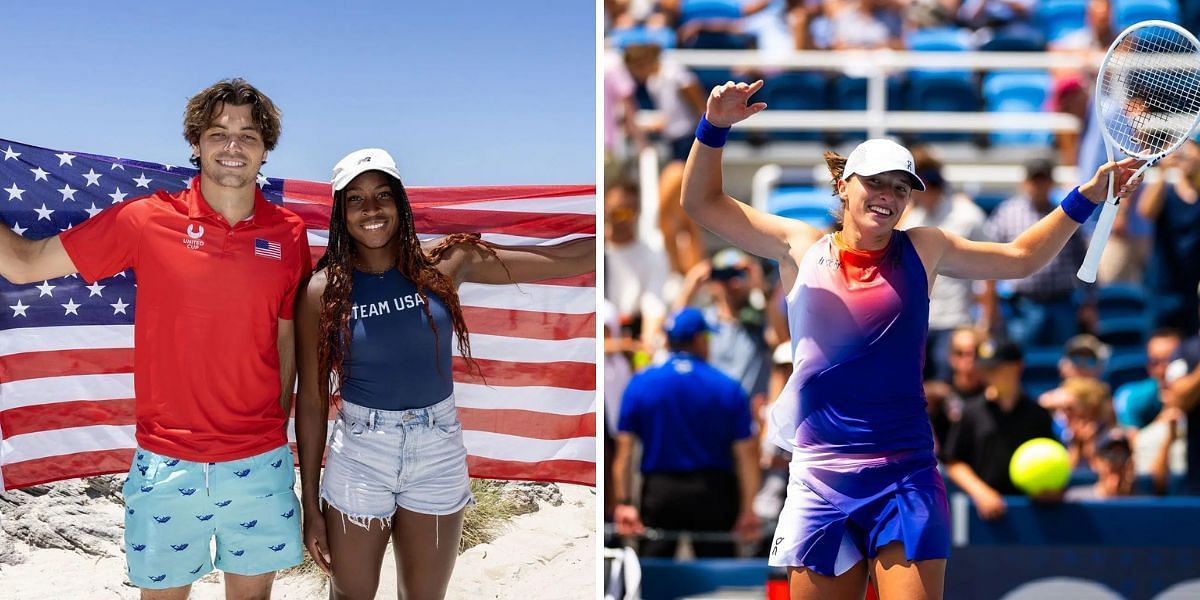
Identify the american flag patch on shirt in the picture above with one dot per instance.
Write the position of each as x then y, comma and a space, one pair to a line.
265, 248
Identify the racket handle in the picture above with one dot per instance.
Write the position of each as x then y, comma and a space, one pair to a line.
1091, 262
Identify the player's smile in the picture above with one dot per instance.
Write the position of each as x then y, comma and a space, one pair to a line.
371, 213
886, 195
231, 148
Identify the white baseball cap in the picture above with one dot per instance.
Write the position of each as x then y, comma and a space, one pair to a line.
360, 161
873, 157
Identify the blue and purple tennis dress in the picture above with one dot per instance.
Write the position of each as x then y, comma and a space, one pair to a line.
863, 472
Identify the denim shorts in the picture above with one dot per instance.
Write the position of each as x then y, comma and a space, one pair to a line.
382, 459
174, 507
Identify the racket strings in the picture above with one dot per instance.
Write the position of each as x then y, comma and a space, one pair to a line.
1150, 90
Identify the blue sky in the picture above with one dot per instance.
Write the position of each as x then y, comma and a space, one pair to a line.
461, 93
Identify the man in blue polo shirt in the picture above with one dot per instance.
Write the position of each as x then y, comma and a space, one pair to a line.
699, 459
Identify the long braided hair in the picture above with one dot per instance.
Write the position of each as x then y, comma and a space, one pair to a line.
413, 263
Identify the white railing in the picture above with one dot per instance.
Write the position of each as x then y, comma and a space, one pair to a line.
858, 62
875, 66
879, 123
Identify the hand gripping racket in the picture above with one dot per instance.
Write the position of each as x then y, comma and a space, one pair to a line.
1147, 104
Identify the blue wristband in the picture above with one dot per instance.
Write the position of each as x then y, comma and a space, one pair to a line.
1077, 206
710, 135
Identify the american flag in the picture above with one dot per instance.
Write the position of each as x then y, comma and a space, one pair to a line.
66, 357
267, 248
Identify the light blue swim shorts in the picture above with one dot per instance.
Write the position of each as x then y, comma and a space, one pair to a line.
174, 507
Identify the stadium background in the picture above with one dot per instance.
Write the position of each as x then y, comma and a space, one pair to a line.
995, 92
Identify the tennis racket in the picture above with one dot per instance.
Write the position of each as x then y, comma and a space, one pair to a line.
1147, 104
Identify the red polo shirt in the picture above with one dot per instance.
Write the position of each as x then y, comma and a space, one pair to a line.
209, 300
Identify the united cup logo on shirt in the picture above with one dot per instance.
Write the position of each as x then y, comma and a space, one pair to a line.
195, 232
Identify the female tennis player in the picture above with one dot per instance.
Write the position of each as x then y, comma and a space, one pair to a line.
864, 494
374, 324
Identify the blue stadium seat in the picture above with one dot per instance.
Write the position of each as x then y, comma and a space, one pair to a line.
1016, 38
940, 39
941, 92
809, 204
988, 201
850, 93
1121, 300
718, 40
1124, 332
941, 89
1125, 367
952, 92
1128, 12
1041, 370
663, 37
797, 90
712, 77
693, 10
1060, 18
1017, 91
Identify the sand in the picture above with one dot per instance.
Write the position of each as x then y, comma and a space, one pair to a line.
548, 554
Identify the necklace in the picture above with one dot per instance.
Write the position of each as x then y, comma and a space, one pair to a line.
378, 274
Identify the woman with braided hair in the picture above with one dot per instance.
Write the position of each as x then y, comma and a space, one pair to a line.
373, 326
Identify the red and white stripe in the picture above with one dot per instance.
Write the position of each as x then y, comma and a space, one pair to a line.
66, 393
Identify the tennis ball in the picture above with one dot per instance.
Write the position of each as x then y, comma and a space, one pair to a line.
1040, 465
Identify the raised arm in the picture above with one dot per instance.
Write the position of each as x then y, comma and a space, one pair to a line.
312, 414
704, 196
954, 256
26, 261
469, 262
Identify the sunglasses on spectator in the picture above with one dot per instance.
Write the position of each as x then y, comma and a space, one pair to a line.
728, 273
1080, 360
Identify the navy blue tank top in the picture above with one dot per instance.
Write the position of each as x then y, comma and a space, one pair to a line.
394, 364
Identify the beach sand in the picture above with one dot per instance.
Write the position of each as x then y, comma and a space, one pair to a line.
548, 554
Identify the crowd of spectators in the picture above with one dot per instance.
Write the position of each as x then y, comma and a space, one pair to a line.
772, 28
1110, 370
781, 25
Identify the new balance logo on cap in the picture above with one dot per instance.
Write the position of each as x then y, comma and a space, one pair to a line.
873, 157
360, 161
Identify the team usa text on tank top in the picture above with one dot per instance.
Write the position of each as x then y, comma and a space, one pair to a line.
396, 361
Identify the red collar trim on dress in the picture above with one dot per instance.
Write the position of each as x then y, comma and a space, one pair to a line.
860, 258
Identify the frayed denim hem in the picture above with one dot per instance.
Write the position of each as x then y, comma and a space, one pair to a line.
363, 521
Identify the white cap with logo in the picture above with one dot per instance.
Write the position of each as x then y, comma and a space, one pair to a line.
873, 157
360, 161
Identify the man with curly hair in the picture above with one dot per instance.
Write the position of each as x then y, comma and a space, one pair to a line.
217, 268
